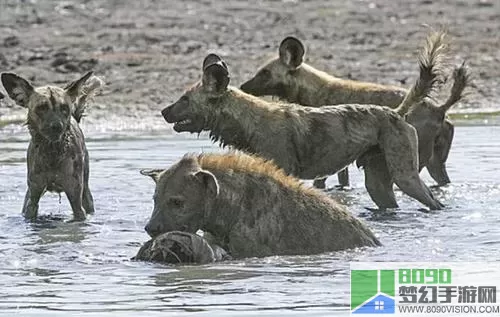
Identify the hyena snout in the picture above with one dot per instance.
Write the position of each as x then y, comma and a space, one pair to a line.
53, 129
56, 127
167, 114
248, 87
153, 230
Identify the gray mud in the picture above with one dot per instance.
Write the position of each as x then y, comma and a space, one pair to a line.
150, 51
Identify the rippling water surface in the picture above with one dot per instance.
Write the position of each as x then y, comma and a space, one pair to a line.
54, 268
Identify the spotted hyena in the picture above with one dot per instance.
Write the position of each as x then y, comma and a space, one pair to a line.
250, 207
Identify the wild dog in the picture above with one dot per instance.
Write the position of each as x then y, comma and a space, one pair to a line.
250, 207
57, 157
427, 118
288, 77
309, 142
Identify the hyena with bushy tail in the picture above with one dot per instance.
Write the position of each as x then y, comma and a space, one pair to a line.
288, 77
311, 142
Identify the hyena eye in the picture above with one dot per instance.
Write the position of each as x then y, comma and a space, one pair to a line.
184, 98
265, 73
176, 202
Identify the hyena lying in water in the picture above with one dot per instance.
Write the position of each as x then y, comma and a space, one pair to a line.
309, 142
288, 77
251, 208
57, 158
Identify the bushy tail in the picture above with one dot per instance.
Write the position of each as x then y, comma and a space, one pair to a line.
92, 86
461, 79
431, 61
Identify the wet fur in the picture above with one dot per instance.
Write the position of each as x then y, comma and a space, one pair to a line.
306, 142
311, 87
295, 138
258, 210
57, 161
177, 247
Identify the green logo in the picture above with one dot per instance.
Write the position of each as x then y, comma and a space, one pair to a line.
372, 291
393, 288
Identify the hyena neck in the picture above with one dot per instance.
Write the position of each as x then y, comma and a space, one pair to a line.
53, 149
239, 121
311, 87
222, 212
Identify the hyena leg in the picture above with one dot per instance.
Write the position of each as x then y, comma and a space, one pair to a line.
30, 207
343, 177
75, 194
437, 163
88, 200
378, 182
320, 183
400, 150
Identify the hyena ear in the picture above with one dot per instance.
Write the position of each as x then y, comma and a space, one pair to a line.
18, 88
209, 181
215, 78
292, 52
74, 88
213, 59
153, 173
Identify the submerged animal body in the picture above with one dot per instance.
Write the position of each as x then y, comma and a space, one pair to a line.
251, 208
288, 77
311, 142
178, 247
57, 157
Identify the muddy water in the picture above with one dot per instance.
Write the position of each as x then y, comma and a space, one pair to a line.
54, 268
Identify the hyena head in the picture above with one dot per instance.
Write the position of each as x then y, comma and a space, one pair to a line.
195, 108
278, 76
49, 107
182, 194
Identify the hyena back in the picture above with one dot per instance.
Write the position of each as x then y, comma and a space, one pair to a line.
251, 208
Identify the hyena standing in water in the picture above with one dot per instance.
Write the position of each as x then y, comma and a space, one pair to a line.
288, 77
57, 158
311, 142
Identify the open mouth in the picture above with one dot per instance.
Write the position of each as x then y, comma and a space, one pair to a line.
188, 125
183, 122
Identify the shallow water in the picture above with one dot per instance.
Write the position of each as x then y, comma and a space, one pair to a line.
54, 268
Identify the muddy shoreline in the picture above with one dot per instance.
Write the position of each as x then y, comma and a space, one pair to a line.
148, 52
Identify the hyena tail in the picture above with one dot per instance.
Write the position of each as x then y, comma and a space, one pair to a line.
431, 61
461, 80
93, 85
